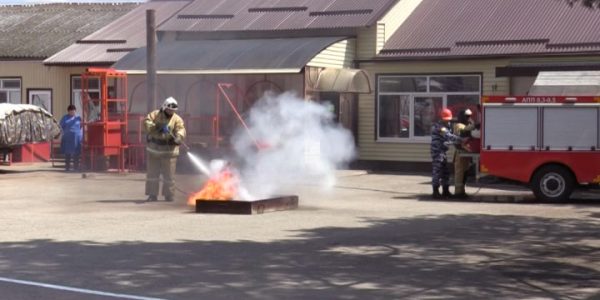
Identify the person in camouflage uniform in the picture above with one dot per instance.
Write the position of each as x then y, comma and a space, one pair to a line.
441, 137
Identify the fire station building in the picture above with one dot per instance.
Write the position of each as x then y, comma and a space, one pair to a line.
208, 52
450, 53
386, 67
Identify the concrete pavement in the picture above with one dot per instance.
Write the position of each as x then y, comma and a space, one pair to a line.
372, 236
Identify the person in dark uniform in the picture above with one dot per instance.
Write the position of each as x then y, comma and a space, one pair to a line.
441, 137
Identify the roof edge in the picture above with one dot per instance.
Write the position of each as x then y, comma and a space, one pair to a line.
408, 50
384, 10
23, 58
487, 56
228, 71
77, 64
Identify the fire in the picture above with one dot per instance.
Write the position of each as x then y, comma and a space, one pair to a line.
222, 186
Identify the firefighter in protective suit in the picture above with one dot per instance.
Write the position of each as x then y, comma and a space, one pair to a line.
462, 128
441, 138
165, 132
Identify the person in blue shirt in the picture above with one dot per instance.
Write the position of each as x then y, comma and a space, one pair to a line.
70, 143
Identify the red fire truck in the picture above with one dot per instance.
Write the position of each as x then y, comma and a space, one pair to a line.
552, 143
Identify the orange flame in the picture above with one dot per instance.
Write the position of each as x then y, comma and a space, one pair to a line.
222, 186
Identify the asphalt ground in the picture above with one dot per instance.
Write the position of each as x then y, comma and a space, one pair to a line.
372, 236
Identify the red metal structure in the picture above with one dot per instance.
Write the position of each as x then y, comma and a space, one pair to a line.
552, 143
136, 146
216, 127
104, 119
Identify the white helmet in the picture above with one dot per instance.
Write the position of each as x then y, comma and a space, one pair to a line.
170, 103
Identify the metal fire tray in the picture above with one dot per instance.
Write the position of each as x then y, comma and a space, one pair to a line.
247, 207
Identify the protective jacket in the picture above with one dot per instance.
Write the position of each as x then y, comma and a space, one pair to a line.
464, 131
441, 137
160, 142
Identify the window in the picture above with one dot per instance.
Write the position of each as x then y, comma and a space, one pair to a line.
394, 118
41, 98
93, 112
10, 90
407, 106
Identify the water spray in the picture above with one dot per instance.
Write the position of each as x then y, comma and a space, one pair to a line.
195, 159
199, 163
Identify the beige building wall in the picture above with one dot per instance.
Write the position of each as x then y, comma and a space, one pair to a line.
35, 75
370, 148
393, 19
366, 43
371, 39
339, 55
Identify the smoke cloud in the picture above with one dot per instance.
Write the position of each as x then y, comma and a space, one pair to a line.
289, 141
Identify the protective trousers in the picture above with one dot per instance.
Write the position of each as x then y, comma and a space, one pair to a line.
74, 158
158, 165
461, 165
440, 174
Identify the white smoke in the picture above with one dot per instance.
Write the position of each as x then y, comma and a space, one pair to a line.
290, 141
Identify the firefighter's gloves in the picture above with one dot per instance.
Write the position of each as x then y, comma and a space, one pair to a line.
443, 130
177, 141
164, 129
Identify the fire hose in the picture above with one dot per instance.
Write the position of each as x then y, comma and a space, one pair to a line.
187, 148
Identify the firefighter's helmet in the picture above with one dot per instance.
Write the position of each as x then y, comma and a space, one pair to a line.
464, 115
170, 103
446, 114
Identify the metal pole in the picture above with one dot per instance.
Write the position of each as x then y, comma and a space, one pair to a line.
151, 59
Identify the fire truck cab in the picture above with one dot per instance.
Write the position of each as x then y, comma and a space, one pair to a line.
550, 142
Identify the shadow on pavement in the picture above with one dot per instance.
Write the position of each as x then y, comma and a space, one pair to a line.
136, 201
447, 257
28, 171
500, 199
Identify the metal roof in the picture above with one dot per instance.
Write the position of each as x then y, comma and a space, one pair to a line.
229, 56
261, 15
127, 33
495, 28
115, 40
38, 31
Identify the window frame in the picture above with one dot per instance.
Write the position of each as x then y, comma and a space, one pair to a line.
79, 106
411, 95
8, 90
33, 91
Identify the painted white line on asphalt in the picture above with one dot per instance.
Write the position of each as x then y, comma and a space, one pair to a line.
72, 289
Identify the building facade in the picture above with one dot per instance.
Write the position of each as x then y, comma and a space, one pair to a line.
450, 54
32, 33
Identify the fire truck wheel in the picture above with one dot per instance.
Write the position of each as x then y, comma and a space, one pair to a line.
552, 183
